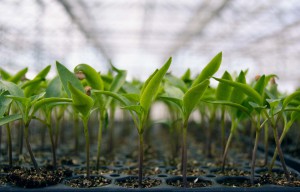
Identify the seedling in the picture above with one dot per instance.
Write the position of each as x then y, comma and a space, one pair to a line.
139, 106
94, 80
189, 100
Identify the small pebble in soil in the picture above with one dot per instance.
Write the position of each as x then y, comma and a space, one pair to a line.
84, 182
133, 183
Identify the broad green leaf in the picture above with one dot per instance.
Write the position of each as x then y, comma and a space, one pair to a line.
209, 70
81, 102
31, 86
176, 101
91, 75
130, 88
135, 98
192, 97
12, 88
238, 96
7, 119
4, 104
67, 76
118, 81
136, 108
4, 74
268, 78
18, 76
290, 97
186, 76
116, 96
54, 88
151, 88
174, 92
231, 104
50, 101
248, 90
260, 85
223, 90
176, 82
256, 106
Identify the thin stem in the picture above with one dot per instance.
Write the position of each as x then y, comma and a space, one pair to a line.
9, 144
57, 123
254, 155
287, 175
111, 130
209, 132
141, 159
223, 141
76, 129
266, 138
87, 146
101, 126
21, 138
184, 154
232, 131
49, 125
29, 147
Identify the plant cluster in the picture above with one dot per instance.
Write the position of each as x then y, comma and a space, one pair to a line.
85, 91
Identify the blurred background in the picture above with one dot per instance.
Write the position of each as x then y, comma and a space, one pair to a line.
140, 35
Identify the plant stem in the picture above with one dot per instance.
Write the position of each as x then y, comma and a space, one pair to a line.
9, 144
87, 146
52, 141
266, 138
20, 138
101, 126
76, 128
57, 123
223, 142
254, 154
287, 175
29, 147
209, 132
184, 154
232, 130
141, 158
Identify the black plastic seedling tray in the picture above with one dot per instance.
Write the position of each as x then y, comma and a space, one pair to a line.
209, 176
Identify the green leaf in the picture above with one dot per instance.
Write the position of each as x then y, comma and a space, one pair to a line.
12, 88
18, 76
176, 101
178, 83
209, 70
223, 90
290, 97
231, 104
66, 76
256, 106
81, 102
51, 101
116, 96
151, 88
4, 74
174, 92
192, 97
4, 104
135, 98
7, 119
93, 78
238, 96
136, 108
260, 85
247, 89
54, 88
31, 86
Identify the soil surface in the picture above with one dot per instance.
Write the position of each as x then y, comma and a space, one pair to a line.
231, 172
84, 182
31, 178
192, 182
278, 178
190, 172
238, 182
133, 182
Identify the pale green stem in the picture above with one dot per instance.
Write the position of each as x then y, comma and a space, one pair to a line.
87, 146
53, 147
101, 126
184, 154
29, 147
9, 144
232, 130
141, 159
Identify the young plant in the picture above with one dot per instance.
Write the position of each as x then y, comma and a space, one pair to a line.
187, 102
82, 104
84, 71
139, 106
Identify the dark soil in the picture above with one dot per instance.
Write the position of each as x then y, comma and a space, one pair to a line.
132, 182
278, 178
135, 171
31, 178
84, 182
192, 182
237, 182
231, 172
3, 180
93, 171
190, 172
